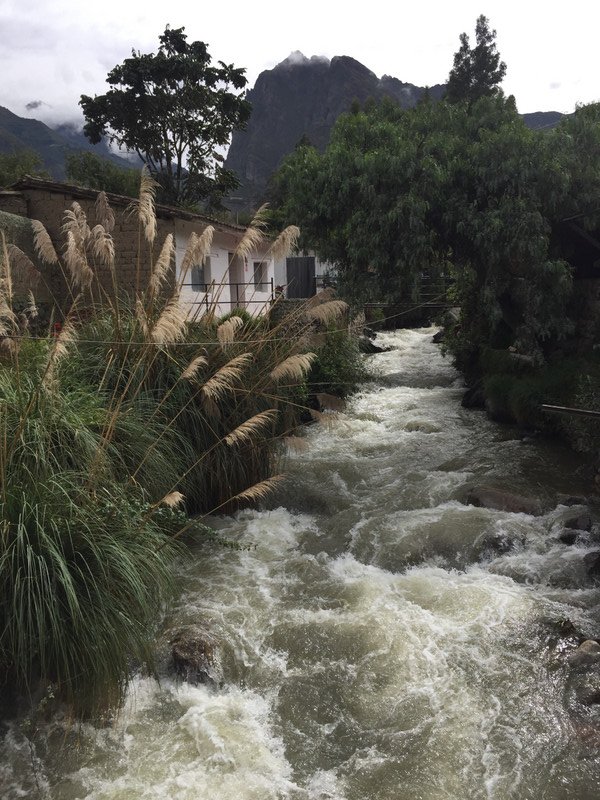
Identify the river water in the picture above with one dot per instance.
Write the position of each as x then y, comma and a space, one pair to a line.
380, 639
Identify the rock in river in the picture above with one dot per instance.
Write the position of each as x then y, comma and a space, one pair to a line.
586, 654
193, 652
490, 497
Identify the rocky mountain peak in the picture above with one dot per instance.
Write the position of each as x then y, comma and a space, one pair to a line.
303, 96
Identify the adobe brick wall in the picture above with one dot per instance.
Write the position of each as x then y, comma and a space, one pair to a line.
133, 255
13, 203
47, 202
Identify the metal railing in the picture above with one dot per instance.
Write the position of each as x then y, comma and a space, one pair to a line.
213, 292
325, 282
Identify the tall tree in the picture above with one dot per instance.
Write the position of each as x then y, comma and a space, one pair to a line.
464, 188
176, 111
478, 71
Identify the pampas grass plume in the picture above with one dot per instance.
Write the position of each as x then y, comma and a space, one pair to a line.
224, 378
145, 205
193, 367
43, 243
162, 266
327, 312
293, 367
251, 427
261, 490
102, 245
172, 323
254, 235
285, 242
172, 500
76, 262
104, 213
226, 330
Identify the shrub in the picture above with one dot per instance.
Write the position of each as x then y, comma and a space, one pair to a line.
124, 412
339, 367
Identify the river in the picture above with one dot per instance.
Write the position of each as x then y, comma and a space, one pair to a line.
380, 639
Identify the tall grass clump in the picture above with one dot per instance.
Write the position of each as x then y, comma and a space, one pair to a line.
83, 573
128, 411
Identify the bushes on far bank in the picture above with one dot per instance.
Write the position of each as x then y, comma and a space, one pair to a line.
514, 391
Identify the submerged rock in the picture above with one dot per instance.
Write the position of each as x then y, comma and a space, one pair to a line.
587, 653
571, 500
587, 691
579, 522
498, 542
583, 683
365, 345
500, 500
193, 652
568, 537
592, 563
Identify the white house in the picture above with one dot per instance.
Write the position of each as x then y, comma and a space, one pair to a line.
224, 280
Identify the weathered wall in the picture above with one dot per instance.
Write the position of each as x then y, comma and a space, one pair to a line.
47, 202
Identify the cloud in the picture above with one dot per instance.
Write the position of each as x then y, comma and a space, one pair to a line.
31, 106
555, 85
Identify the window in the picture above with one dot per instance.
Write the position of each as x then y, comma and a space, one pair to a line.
200, 276
260, 276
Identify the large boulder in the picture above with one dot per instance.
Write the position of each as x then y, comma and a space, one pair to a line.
584, 679
501, 500
367, 346
474, 396
193, 654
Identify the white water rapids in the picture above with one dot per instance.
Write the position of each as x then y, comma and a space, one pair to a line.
376, 644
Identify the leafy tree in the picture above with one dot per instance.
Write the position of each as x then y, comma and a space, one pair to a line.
90, 170
478, 71
461, 188
360, 203
175, 110
13, 166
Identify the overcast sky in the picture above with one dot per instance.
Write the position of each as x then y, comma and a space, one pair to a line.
52, 51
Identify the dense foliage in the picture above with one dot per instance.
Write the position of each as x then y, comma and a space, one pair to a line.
463, 188
94, 172
175, 110
14, 166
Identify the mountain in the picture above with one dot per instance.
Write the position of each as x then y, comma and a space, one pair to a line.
53, 145
538, 120
304, 96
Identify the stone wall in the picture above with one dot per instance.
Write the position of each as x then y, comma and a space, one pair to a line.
13, 203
